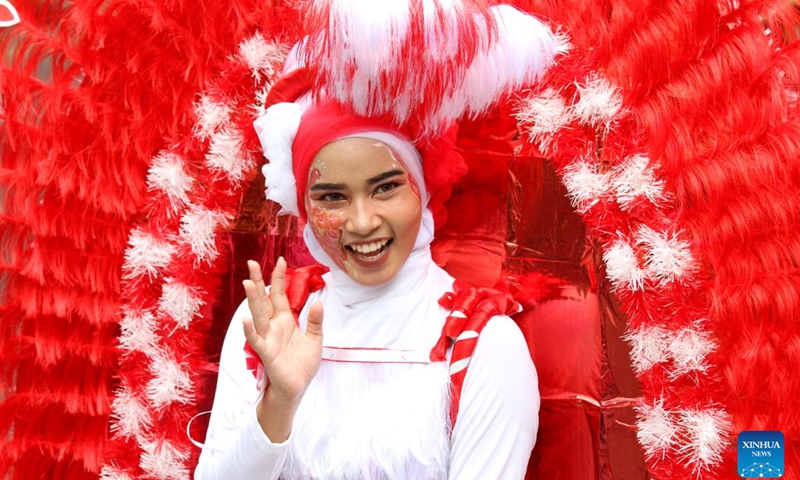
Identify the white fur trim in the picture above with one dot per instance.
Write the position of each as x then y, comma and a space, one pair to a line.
622, 266
689, 348
225, 154
180, 302
542, 115
199, 230
599, 102
146, 255
648, 347
656, 432
585, 184
167, 175
211, 116
276, 130
636, 178
170, 382
138, 332
666, 257
707, 432
163, 461
131, 418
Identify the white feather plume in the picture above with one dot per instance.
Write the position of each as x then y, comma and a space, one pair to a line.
180, 302
542, 115
211, 116
199, 230
109, 472
131, 417
689, 349
161, 460
225, 154
656, 431
146, 255
262, 57
170, 381
622, 266
649, 346
138, 332
667, 258
636, 178
706, 432
168, 175
599, 102
585, 184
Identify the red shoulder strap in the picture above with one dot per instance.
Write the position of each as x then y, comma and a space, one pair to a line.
470, 311
300, 283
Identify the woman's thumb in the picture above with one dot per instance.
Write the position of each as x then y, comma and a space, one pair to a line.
314, 328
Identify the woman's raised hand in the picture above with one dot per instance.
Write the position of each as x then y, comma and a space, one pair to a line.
290, 357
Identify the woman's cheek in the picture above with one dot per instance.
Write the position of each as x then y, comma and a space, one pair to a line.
327, 227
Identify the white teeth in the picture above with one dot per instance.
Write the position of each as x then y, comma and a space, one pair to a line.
369, 247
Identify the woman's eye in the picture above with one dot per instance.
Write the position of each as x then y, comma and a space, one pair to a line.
331, 197
386, 187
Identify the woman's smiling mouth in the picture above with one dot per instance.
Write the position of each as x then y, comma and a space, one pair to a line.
370, 251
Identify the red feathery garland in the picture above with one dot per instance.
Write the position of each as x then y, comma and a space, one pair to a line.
727, 172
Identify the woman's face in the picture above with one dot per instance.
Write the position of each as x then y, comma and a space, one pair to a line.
363, 208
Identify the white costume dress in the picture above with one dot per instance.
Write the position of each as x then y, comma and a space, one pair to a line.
373, 421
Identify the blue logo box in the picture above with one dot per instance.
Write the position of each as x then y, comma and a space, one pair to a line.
761, 454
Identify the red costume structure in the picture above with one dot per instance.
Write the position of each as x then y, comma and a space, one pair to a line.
130, 194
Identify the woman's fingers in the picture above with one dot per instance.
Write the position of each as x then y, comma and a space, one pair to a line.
254, 270
260, 307
277, 291
250, 333
314, 328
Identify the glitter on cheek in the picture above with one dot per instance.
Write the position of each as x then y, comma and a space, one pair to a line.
327, 228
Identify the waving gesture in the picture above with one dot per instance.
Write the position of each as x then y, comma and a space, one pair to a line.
290, 357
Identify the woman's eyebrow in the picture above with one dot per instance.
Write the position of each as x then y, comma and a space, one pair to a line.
327, 186
383, 176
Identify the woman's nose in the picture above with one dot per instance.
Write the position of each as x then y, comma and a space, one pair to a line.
362, 218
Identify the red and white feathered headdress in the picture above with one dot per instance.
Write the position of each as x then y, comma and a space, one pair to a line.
419, 66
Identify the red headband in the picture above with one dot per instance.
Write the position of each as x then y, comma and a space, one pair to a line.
321, 125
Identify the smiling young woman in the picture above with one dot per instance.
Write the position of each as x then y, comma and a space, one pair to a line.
383, 367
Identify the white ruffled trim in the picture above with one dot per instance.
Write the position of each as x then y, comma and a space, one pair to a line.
276, 130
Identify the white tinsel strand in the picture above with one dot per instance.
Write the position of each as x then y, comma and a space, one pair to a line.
170, 382
689, 349
666, 258
599, 102
163, 461
585, 184
179, 302
542, 115
211, 116
167, 175
199, 230
649, 346
225, 154
146, 255
260, 56
130, 417
138, 332
113, 473
656, 431
635, 178
706, 437
622, 266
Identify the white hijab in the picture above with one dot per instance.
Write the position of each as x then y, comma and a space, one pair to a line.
377, 420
